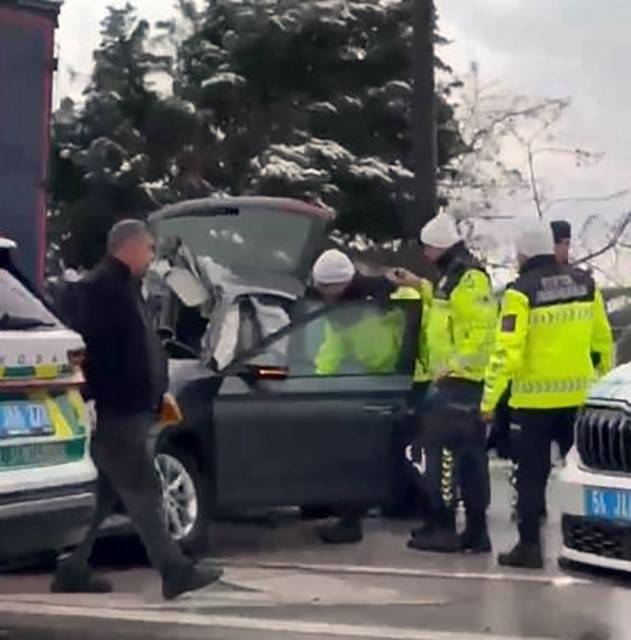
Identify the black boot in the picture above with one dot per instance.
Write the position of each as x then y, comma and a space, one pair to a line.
72, 578
344, 531
523, 556
188, 578
475, 538
439, 537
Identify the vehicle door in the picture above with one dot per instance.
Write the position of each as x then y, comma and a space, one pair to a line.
312, 419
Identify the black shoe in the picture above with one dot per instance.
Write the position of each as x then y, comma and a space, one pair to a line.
475, 541
343, 532
71, 579
436, 540
523, 556
189, 579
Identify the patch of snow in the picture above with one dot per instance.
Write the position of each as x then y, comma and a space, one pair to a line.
401, 172
399, 86
210, 48
224, 77
351, 101
330, 150
156, 184
218, 133
322, 107
354, 53
372, 169
291, 171
188, 107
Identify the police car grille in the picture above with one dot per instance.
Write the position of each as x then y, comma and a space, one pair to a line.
603, 439
608, 540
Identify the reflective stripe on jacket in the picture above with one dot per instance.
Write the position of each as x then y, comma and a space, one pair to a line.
460, 322
553, 328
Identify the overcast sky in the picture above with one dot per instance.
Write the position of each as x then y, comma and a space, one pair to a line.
559, 48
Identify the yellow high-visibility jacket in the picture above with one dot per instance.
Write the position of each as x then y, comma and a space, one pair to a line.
460, 322
373, 341
552, 341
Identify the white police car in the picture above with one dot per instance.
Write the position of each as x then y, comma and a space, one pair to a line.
46, 475
596, 482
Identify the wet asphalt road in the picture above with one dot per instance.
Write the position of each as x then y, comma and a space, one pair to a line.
281, 583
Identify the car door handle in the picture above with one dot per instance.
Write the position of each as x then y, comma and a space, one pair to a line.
381, 409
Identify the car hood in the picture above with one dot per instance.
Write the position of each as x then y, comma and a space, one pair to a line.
614, 388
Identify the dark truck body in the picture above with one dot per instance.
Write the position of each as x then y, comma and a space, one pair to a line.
27, 64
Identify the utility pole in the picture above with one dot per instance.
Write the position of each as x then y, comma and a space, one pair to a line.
425, 143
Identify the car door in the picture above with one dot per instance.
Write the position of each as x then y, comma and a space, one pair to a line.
323, 432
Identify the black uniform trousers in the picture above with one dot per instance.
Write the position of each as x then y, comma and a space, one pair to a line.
454, 438
123, 455
532, 434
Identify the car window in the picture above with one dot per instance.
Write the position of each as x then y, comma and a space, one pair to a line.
352, 339
16, 301
248, 238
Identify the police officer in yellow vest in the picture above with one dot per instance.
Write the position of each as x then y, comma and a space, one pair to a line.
499, 438
373, 341
553, 322
458, 334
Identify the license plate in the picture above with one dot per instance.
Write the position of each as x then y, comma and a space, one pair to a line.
608, 504
19, 419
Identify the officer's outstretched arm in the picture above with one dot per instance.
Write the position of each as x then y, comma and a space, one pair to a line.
331, 353
508, 352
602, 337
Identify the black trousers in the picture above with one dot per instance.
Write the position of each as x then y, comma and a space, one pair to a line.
454, 438
532, 434
123, 455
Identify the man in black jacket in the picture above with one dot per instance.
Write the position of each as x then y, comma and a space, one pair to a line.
127, 376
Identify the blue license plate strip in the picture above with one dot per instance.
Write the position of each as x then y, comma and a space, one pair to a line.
608, 504
24, 419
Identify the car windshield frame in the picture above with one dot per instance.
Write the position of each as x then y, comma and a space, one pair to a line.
19, 303
226, 234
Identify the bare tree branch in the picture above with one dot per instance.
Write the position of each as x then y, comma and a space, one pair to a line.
533, 181
612, 243
607, 198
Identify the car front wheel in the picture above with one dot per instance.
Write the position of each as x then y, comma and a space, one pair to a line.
183, 497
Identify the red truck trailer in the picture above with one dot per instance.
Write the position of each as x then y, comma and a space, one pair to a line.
27, 65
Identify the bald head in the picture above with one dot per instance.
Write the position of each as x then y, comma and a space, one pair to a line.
131, 242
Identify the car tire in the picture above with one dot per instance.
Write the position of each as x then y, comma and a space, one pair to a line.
186, 504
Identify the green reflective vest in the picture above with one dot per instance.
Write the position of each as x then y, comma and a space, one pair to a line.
373, 341
460, 324
552, 341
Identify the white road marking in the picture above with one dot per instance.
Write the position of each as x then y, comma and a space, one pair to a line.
352, 569
299, 627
